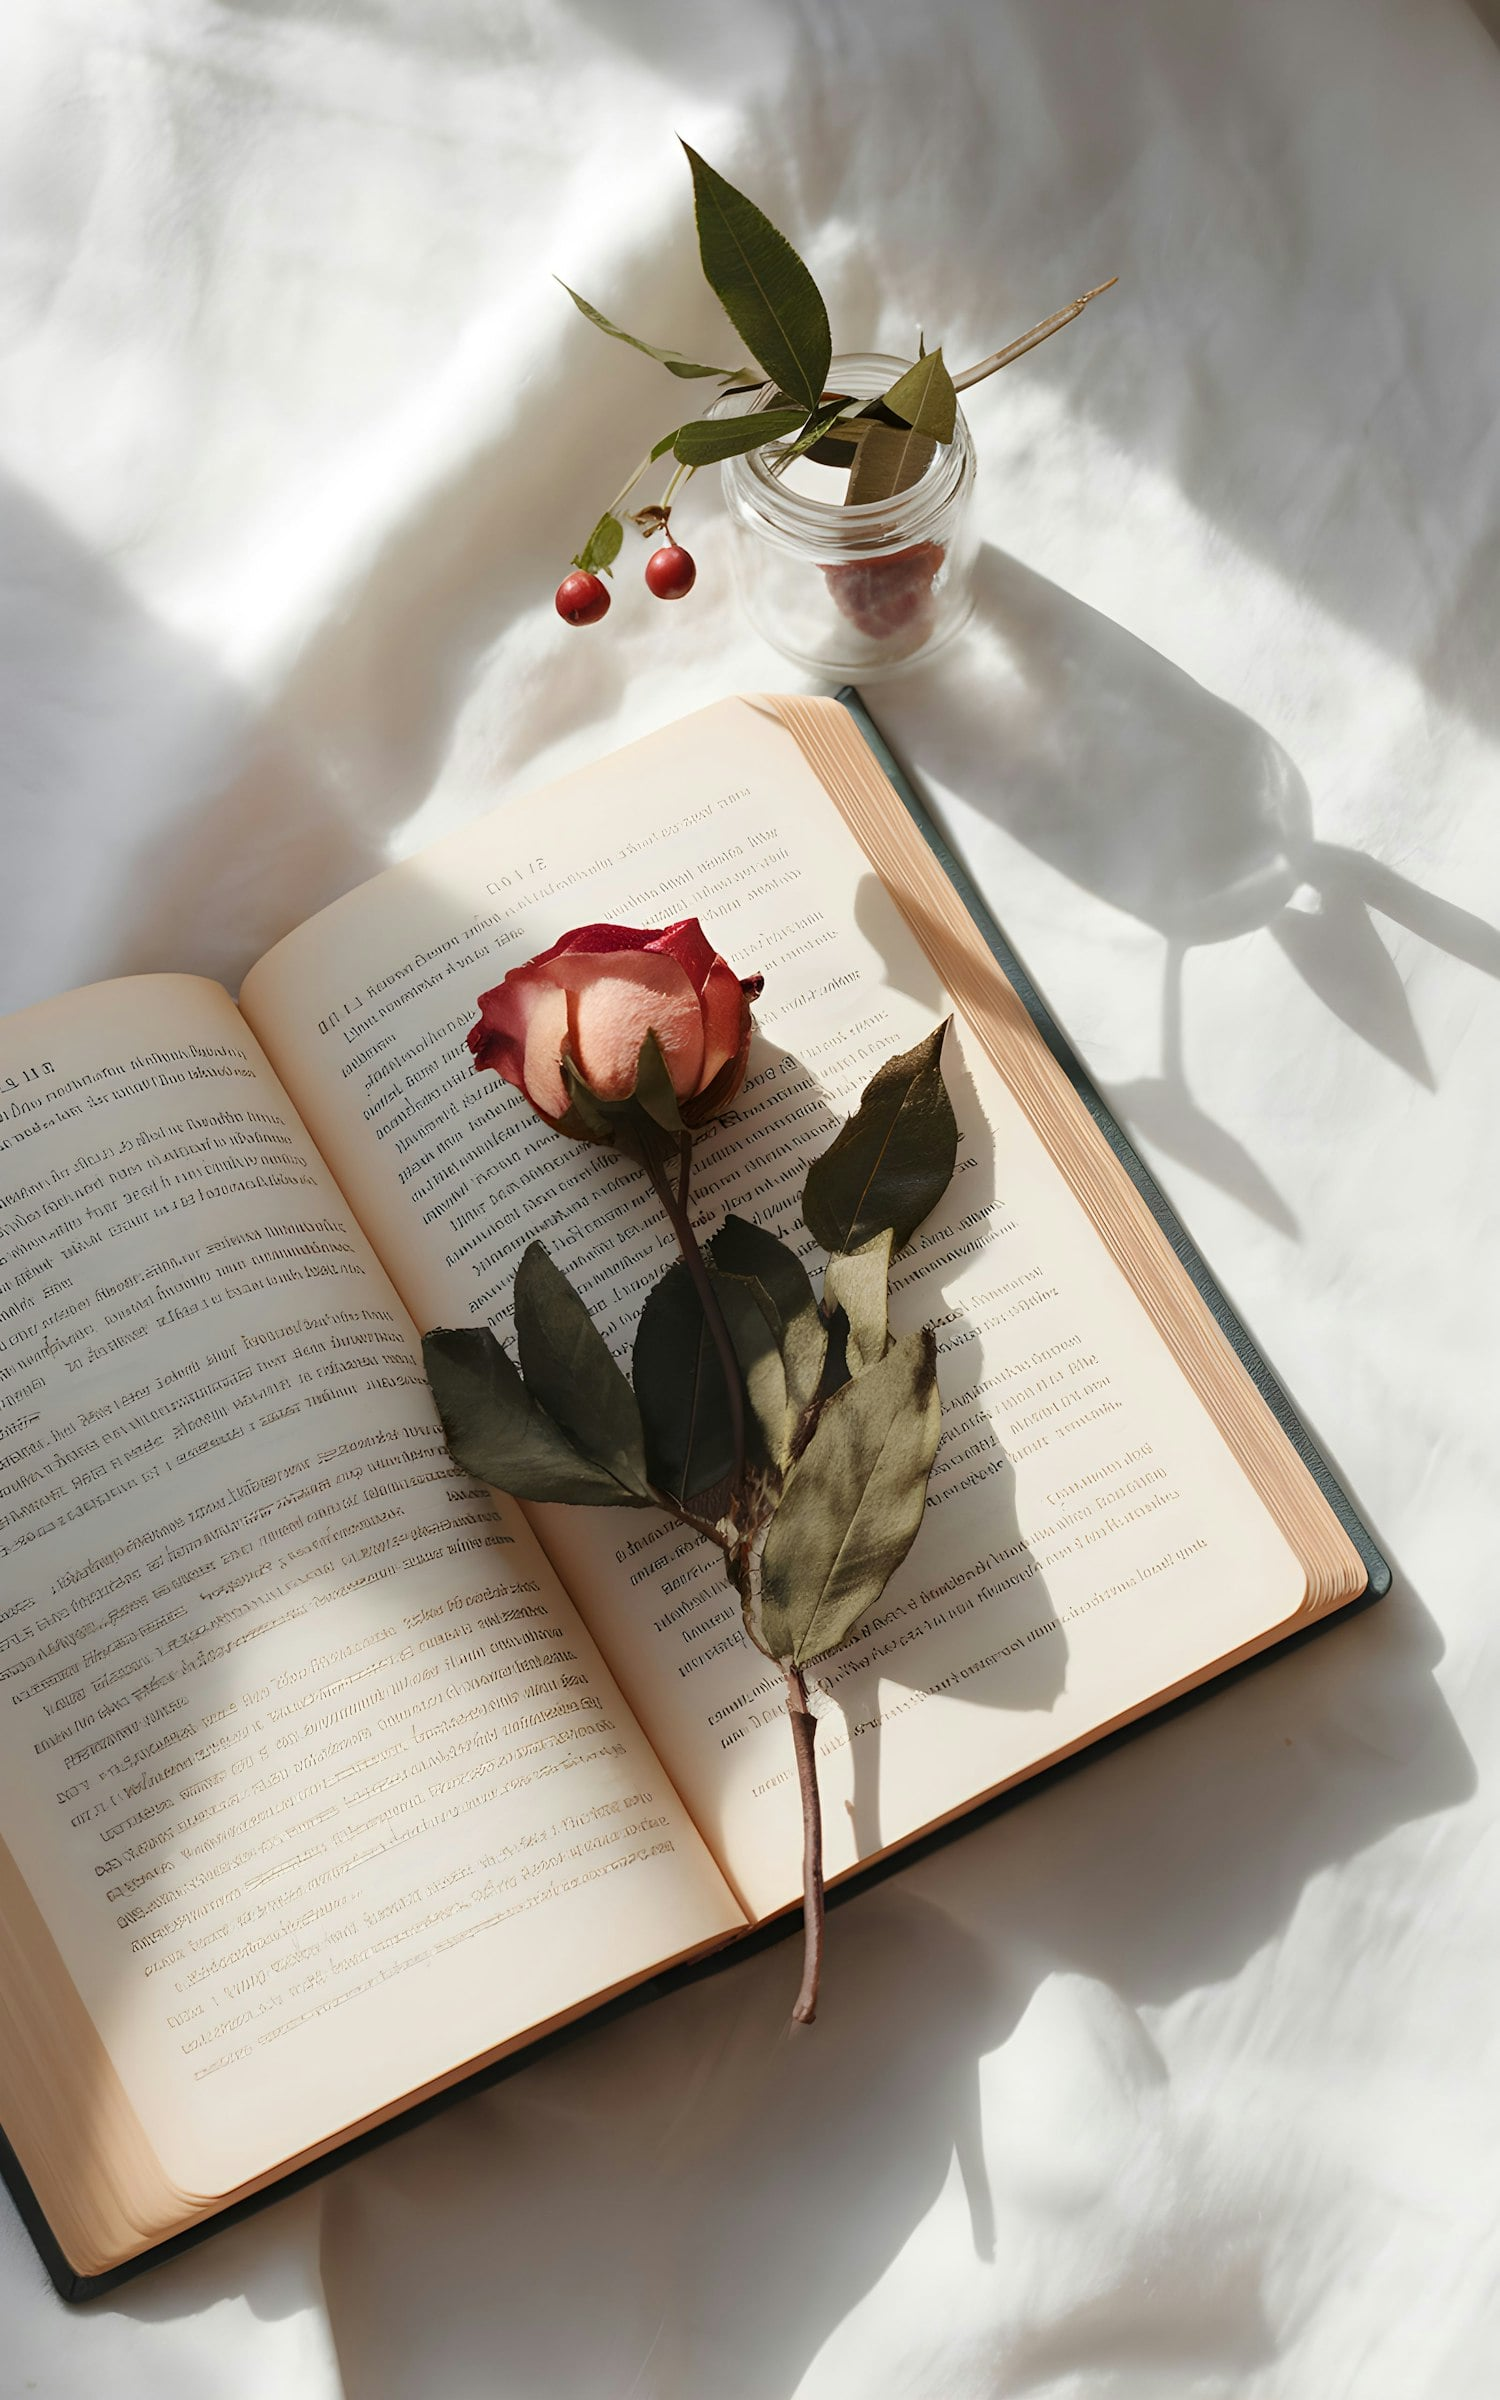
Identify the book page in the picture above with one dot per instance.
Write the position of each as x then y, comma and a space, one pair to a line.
1089, 1542
319, 1782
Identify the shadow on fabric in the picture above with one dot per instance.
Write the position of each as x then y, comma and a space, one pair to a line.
1126, 776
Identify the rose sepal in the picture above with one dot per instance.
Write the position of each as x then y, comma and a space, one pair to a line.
647, 1119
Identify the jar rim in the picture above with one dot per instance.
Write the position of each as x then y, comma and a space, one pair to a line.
796, 515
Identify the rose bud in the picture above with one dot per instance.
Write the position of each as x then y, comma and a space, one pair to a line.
594, 997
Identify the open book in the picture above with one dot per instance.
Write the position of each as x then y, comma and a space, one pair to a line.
327, 1778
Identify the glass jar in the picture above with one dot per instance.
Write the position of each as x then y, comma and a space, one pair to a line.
852, 593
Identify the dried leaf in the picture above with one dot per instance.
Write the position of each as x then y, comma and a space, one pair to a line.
925, 397
858, 1282
765, 290
679, 1384
497, 1431
893, 1161
747, 1313
740, 1248
569, 1367
852, 1504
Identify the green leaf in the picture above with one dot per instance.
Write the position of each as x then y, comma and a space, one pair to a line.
747, 1313
852, 1504
672, 360
925, 397
858, 1282
569, 1368
893, 1161
740, 1248
708, 439
635, 1121
818, 424
680, 1386
890, 459
497, 1431
654, 1088
602, 548
664, 445
765, 290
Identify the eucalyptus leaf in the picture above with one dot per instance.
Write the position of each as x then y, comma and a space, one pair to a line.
708, 439
740, 1248
497, 1431
890, 459
602, 548
672, 360
765, 290
858, 1282
852, 1504
679, 1384
893, 1161
925, 397
569, 1367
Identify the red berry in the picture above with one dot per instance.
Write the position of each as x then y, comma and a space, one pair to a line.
582, 599
670, 573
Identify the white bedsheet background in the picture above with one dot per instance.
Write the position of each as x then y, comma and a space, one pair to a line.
1181, 2079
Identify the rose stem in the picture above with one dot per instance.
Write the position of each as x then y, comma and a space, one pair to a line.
1029, 341
804, 1742
675, 1204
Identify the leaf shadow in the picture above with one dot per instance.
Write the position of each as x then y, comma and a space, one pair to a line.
1114, 767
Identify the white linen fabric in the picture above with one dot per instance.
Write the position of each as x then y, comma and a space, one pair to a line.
1181, 2078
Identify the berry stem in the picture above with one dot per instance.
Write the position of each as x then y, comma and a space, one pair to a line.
681, 476
623, 494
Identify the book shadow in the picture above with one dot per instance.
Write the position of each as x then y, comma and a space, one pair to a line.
1126, 776
694, 2197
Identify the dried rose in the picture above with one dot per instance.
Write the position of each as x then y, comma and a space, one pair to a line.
594, 997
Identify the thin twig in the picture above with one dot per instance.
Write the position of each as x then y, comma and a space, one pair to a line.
804, 1742
1029, 341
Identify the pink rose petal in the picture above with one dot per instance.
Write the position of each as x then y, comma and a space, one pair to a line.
546, 1032
616, 999
724, 1010
689, 945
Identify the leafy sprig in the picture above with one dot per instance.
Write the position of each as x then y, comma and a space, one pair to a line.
775, 307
